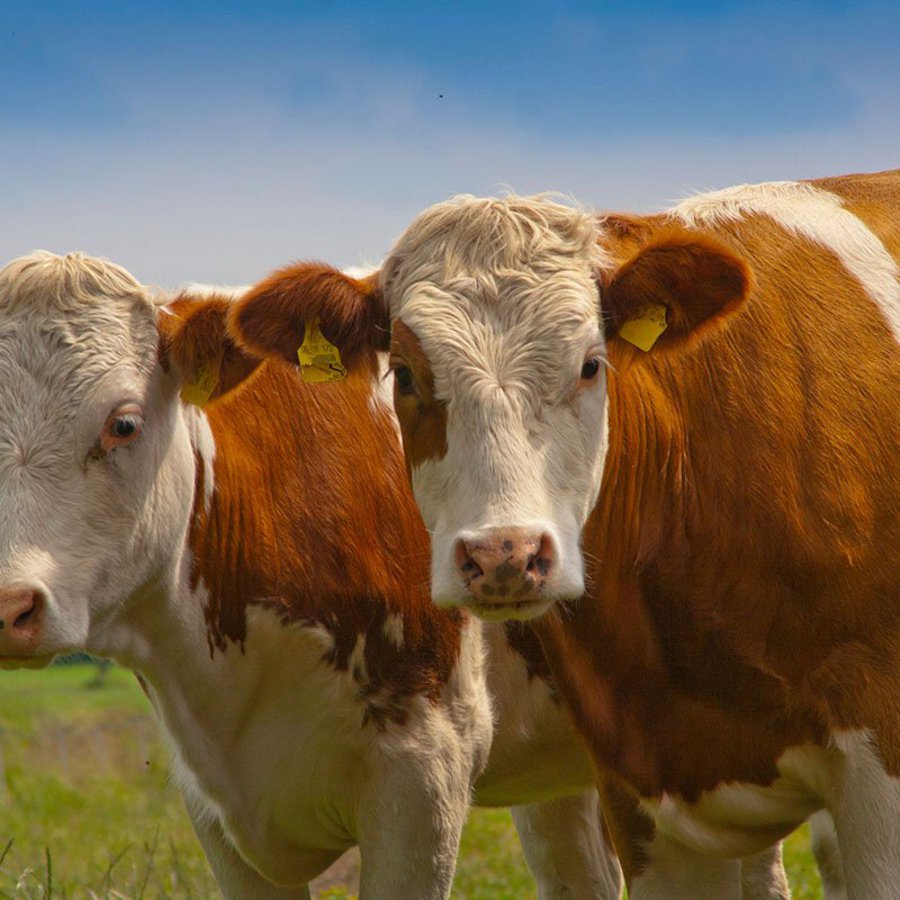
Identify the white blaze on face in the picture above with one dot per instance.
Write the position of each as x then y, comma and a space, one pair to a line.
90, 467
501, 297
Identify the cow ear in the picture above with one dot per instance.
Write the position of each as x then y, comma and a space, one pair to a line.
677, 287
309, 301
195, 345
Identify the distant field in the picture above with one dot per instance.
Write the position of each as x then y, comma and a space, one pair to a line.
88, 811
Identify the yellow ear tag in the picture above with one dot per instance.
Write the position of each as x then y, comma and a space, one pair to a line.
319, 358
200, 389
643, 330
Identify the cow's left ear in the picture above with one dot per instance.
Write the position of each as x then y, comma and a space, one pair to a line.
194, 344
677, 287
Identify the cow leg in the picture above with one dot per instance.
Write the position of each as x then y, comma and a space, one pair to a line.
410, 823
675, 870
828, 855
763, 876
864, 802
237, 879
566, 849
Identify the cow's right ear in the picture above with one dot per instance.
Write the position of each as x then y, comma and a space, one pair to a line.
194, 346
273, 317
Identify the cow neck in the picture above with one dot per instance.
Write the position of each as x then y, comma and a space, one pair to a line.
678, 703
311, 520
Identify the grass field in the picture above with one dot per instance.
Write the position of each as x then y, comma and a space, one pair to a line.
88, 810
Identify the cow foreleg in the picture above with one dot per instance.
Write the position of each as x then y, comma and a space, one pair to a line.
828, 855
236, 878
864, 802
763, 876
566, 849
410, 822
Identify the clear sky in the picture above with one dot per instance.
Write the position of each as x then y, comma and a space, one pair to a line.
214, 141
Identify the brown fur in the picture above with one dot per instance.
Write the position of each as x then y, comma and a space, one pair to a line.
748, 596
202, 341
271, 317
696, 277
311, 518
423, 419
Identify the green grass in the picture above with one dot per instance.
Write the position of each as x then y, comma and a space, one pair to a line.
88, 810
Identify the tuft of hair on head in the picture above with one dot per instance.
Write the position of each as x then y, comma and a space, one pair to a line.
467, 234
46, 281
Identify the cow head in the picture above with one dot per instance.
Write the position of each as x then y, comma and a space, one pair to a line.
502, 318
97, 450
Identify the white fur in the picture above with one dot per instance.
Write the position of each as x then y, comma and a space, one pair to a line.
279, 773
820, 217
394, 630
197, 289
863, 801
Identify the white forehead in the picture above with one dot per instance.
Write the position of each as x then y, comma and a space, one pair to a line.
67, 320
501, 287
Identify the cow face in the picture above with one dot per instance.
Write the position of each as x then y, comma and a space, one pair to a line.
499, 351
96, 454
500, 384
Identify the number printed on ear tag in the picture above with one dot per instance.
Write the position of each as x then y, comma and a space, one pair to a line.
199, 390
319, 359
643, 330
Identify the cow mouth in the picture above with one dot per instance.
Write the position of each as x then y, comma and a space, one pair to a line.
26, 662
515, 609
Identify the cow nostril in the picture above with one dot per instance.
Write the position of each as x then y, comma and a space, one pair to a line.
29, 614
541, 562
23, 618
465, 563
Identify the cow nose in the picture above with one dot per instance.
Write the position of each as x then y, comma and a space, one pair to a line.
505, 566
21, 619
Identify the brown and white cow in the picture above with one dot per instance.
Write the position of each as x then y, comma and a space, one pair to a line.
734, 662
262, 566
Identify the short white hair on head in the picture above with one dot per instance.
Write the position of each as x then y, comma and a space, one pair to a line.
497, 236
45, 281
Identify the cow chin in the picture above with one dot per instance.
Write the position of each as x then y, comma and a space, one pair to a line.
521, 611
454, 592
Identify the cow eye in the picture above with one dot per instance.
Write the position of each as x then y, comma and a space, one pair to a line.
590, 368
404, 380
122, 427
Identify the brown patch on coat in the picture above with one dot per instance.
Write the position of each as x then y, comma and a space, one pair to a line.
422, 417
312, 519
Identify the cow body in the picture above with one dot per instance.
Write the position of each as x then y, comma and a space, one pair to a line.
734, 663
261, 566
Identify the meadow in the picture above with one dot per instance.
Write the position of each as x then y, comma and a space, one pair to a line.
89, 810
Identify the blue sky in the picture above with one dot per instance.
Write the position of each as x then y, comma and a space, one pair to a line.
214, 141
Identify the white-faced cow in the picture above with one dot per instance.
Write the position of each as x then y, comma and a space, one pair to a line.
262, 566
692, 419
